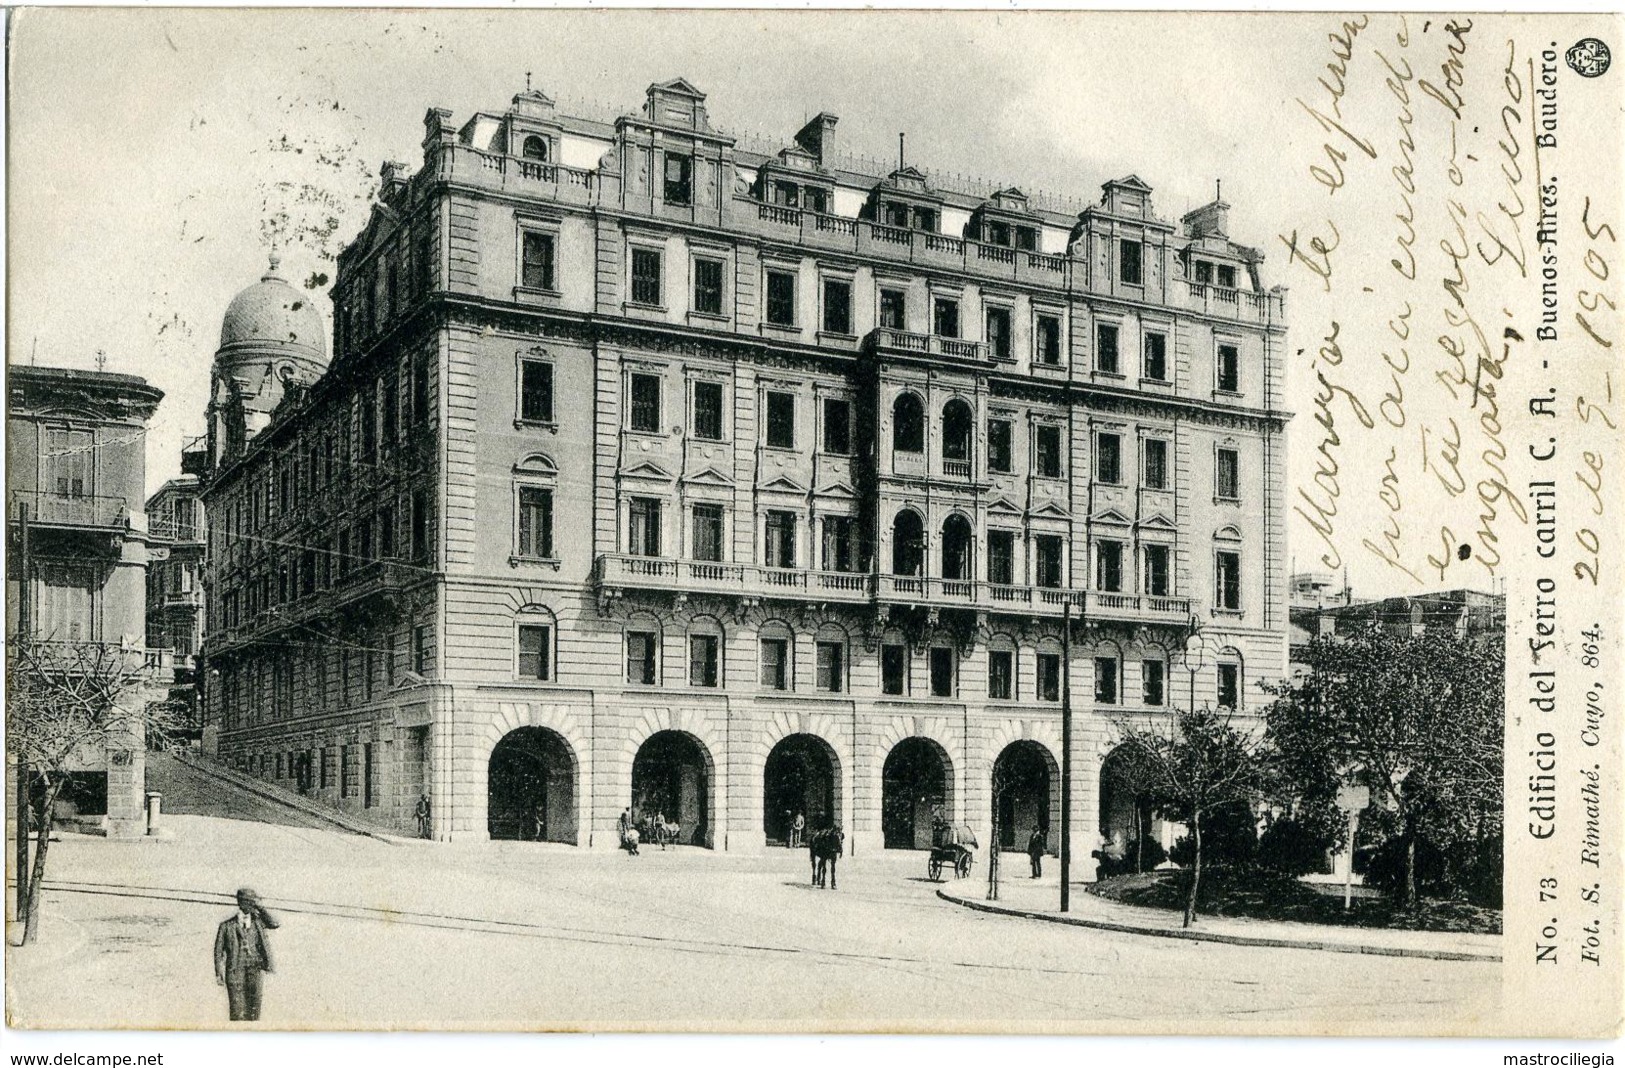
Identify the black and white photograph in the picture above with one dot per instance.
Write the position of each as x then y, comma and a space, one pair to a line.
778, 521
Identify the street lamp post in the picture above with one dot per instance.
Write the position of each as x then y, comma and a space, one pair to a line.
1066, 756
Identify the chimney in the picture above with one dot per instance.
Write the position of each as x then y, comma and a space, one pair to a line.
1209, 220
394, 176
818, 137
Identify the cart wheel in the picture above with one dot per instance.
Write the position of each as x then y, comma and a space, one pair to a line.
964, 865
934, 869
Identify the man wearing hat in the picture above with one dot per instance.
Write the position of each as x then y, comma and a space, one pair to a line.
242, 954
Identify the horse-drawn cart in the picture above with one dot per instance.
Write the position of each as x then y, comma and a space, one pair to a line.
955, 850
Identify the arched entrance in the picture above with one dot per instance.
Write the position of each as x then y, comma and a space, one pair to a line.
917, 791
1125, 816
800, 777
1026, 787
671, 778
532, 787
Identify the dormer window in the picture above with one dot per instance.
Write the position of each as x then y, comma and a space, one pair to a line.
679, 179
817, 201
1227, 276
535, 147
1026, 238
1131, 270
897, 215
1204, 272
925, 219
998, 233
786, 194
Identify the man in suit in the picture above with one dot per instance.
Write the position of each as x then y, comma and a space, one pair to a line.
242, 955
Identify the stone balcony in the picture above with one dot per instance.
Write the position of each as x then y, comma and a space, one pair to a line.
619, 573
886, 340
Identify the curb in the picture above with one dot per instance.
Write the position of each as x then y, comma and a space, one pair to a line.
253, 786
1227, 939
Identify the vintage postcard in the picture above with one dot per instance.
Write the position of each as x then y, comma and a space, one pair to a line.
843, 521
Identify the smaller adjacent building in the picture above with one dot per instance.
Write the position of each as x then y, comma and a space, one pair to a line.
175, 591
78, 551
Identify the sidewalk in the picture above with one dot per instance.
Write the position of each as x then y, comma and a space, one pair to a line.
1039, 899
283, 796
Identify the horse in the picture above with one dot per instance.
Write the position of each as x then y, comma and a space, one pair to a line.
824, 849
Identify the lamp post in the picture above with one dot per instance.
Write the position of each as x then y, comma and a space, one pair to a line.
1066, 756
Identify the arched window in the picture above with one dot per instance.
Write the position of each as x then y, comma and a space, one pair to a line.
535, 147
957, 425
908, 424
956, 548
908, 543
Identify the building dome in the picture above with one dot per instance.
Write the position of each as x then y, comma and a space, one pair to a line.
272, 316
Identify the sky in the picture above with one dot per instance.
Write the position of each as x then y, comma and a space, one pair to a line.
155, 157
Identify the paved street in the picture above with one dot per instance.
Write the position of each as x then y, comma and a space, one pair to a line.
515, 935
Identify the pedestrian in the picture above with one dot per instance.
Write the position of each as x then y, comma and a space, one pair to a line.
1035, 851
422, 814
797, 829
242, 955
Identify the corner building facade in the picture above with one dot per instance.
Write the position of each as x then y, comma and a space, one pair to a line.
651, 472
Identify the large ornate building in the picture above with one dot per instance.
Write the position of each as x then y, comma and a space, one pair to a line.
650, 472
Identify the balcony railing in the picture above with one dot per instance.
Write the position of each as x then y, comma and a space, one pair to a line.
956, 468
754, 580
1232, 303
929, 344
89, 512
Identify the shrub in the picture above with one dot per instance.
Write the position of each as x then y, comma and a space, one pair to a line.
1293, 847
1475, 869
1385, 869
1150, 854
1229, 838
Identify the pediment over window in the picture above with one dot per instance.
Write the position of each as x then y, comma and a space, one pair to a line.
646, 469
1158, 522
837, 488
1050, 508
1003, 506
782, 484
1111, 517
708, 476
1227, 533
536, 464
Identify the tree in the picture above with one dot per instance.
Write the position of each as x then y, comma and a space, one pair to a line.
1193, 765
1416, 718
66, 703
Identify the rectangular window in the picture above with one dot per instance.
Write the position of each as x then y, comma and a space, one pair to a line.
998, 445
1105, 680
998, 333
1230, 686
679, 179
420, 400
893, 669
1047, 567
817, 201
535, 652
643, 533
1229, 370
1151, 675
830, 666
781, 539
1109, 458
893, 309
708, 286
897, 214
708, 410
781, 420
942, 671
1106, 361
1001, 557
838, 541
702, 660
1226, 276
1049, 676
945, 320
837, 426
536, 265
1204, 272
1048, 340
925, 219
344, 771
640, 657
781, 298
420, 649
369, 428
1227, 580
775, 663
1227, 474
389, 409
646, 276
708, 533
1156, 570
1109, 566
1154, 473
420, 526
1000, 674
645, 410
786, 194
535, 391
837, 306
1130, 269
386, 532
535, 522
1156, 357
1047, 450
